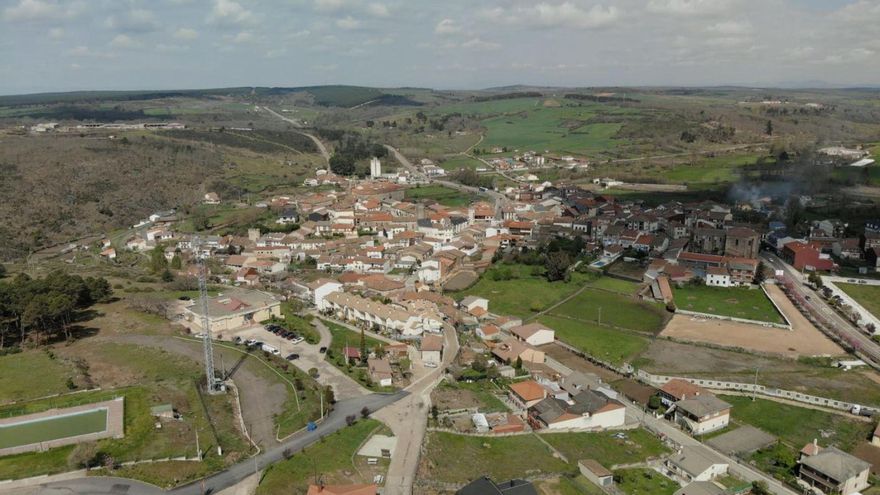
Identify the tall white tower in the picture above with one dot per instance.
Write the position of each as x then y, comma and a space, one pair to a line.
375, 168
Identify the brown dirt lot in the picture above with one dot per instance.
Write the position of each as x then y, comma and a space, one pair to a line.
693, 360
803, 339
446, 398
869, 453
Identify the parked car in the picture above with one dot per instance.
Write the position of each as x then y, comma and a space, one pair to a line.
323, 349
252, 342
291, 357
270, 349
236, 340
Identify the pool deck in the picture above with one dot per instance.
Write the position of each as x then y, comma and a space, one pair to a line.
115, 425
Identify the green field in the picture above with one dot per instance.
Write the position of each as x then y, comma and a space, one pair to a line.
607, 344
47, 429
459, 162
798, 426
519, 290
643, 481
737, 302
866, 295
719, 169
328, 457
615, 285
638, 446
17, 372
562, 130
459, 458
441, 194
608, 308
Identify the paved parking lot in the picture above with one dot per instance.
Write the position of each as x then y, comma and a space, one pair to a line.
310, 357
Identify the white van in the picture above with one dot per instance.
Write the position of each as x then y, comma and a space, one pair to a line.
270, 349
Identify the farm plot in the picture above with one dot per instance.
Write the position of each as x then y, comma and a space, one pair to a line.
443, 195
608, 344
613, 309
736, 302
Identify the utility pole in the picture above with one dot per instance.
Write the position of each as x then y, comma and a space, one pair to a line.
755, 390
198, 448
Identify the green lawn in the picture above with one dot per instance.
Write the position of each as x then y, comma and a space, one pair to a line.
519, 290
341, 337
332, 454
47, 429
738, 302
458, 162
866, 295
459, 458
564, 129
18, 370
441, 194
798, 426
615, 285
605, 448
614, 309
725, 168
644, 482
607, 344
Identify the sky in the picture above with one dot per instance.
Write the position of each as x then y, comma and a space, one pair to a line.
65, 45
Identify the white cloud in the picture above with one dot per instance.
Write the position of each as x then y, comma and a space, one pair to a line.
75, 66
135, 21
329, 5
348, 23
378, 10
569, 14
56, 33
480, 45
186, 34
85, 51
243, 37
447, 26
33, 10
326, 67
230, 13
731, 28
123, 41
690, 7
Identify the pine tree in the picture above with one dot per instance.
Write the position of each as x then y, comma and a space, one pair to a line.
363, 346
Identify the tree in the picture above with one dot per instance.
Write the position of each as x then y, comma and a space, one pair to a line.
313, 372
176, 263
815, 279
158, 262
329, 396
200, 220
519, 363
794, 213
760, 488
557, 264
434, 412
760, 274
769, 128
84, 455
342, 164
363, 346
167, 276
365, 412
2, 270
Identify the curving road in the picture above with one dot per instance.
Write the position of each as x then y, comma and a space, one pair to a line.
321, 147
335, 421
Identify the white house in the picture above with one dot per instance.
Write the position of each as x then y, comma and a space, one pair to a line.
429, 272
584, 410
471, 302
717, 276
702, 414
534, 334
320, 289
696, 463
431, 349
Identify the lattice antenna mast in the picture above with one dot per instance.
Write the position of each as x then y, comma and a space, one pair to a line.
213, 384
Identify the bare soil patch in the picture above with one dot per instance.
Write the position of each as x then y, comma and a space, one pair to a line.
803, 339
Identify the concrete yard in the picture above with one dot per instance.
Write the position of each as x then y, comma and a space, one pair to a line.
804, 339
742, 440
378, 443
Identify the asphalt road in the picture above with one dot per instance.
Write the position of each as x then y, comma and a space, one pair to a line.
318, 142
224, 479
864, 344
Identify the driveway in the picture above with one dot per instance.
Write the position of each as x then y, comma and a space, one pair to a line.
310, 357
